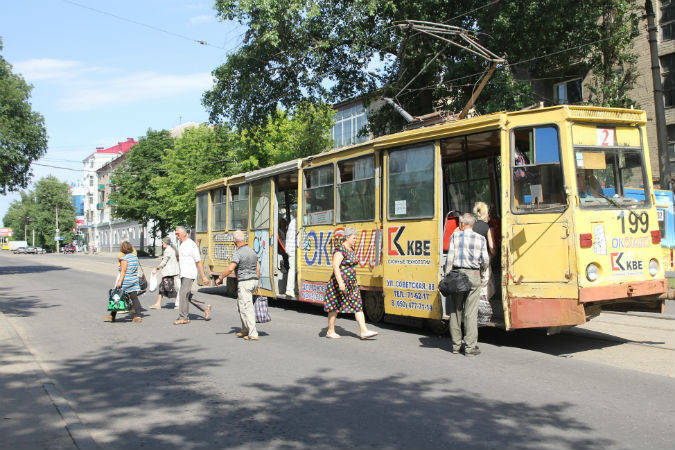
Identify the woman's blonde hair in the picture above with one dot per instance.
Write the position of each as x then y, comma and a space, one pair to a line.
481, 211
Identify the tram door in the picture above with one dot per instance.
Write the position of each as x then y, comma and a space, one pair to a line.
285, 234
536, 227
262, 227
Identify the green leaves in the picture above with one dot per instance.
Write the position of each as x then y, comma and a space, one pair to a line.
39, 206
299, 50
23, 138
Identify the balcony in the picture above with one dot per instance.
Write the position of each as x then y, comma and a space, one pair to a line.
99, 206
101, 187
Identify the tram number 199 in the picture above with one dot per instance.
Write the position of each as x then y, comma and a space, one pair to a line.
635, 222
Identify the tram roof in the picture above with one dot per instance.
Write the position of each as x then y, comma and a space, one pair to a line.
476, 124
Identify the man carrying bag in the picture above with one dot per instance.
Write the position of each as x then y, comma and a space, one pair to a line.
465, 274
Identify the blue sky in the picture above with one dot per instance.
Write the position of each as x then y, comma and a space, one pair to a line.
98, 80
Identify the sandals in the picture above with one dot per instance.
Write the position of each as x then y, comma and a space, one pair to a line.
333, 336
368, 335
181, 322
155, 307
251, 338
207, 312
241, 334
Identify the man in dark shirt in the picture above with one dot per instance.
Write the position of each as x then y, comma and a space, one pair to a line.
246, 267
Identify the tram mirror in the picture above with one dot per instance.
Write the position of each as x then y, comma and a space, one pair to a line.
594, 160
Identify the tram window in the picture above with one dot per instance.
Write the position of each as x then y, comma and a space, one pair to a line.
238, 207
261, 206
467, 182
411, 183
536, 171
318, 196
219, 209
356, 190
202, 212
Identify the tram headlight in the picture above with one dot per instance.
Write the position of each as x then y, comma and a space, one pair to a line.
653, 267
592, 272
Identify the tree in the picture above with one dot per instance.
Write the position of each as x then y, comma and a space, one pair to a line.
612, 62
298, 50
23, 137
202, 154
283, 137
134, 198
36, 210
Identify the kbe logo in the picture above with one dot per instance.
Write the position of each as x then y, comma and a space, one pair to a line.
621, 263
413, 247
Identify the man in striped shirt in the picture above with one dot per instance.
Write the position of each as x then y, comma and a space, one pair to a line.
467, 253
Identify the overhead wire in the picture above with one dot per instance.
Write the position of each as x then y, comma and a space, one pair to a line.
142, 24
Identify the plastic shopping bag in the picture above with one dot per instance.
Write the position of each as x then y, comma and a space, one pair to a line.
152, 285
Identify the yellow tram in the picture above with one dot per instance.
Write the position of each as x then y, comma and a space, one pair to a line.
571, 242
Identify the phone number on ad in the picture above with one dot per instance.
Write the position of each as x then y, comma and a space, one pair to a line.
417, 306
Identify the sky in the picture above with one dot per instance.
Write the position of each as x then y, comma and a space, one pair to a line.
98, 80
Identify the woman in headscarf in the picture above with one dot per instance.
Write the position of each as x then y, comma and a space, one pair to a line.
342, 292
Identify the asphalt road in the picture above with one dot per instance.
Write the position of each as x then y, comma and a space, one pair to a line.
197, 386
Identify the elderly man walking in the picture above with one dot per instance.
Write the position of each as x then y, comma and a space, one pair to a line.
467, 253
189, 260
245, 265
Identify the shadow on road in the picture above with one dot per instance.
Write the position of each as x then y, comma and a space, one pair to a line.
22, 270
148, 396
19, 304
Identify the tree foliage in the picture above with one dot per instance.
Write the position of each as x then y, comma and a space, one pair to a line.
133, 197
297, 50
200, 155
23, 137
39, 207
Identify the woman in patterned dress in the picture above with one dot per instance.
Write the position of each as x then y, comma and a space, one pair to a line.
342, 292
128, 279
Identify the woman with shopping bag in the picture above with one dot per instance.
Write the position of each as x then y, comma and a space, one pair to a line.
168, 269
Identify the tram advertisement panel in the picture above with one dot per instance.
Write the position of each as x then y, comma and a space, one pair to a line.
316, 254
411, 270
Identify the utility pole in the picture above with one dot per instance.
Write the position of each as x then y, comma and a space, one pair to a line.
57, 228
659, 104
33, 236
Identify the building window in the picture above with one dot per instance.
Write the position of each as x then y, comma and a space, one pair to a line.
671, 141
348, 123
91, 163
567, 92
91, 180
668, 74
667, 20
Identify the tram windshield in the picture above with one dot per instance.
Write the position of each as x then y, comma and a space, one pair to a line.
603, 175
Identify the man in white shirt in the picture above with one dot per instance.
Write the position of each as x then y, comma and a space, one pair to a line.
189, 260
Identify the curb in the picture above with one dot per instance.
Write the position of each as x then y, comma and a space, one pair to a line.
76, 430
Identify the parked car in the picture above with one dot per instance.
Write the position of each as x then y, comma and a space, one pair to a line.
31, 250
69, 248
19, 250
40, 250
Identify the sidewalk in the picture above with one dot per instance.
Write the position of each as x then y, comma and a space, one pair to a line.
33, 413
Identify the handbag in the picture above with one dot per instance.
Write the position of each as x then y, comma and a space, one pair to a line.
262, 313
454, 282
118, 300
142, 281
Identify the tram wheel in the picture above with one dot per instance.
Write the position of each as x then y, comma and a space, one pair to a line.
373, 303
438, 326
